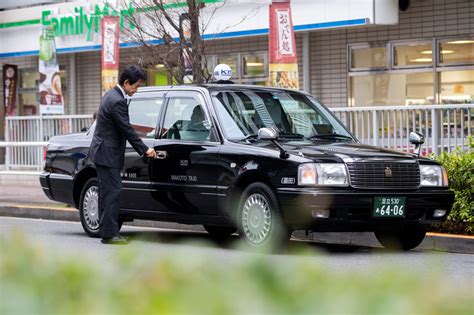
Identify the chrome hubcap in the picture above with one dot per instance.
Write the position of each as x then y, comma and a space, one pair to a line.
91, 207
256, 218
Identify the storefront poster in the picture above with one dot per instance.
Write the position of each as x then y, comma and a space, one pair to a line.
110, 52
51, 96
282, 47
10, 86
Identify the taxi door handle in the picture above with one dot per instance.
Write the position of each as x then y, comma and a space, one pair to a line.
161, 155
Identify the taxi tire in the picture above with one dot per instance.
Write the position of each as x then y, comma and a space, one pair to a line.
278, 236
91, 232
406, 238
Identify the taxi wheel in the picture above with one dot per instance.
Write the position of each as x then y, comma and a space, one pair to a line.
259, 218
406, 238
219, 232
89, 208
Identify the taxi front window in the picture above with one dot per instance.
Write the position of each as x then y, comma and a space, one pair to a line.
242, 113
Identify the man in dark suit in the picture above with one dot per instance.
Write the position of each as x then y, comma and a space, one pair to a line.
107, 150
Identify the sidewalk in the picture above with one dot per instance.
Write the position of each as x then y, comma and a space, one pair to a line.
29, 201
24, 194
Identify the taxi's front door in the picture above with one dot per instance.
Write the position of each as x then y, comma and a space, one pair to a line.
184, 176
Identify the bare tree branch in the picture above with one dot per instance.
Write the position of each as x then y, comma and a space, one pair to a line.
170, 22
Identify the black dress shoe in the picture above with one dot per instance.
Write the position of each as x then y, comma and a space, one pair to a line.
116, 240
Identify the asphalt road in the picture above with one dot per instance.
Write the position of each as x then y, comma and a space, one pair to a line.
68, 237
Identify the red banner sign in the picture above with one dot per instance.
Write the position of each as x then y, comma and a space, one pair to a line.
282, 37
282, 47
110, 51
10, 86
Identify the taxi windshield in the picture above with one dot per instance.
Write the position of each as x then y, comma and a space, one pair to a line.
295, 115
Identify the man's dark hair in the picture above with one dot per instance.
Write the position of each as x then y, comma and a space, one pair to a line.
132, 73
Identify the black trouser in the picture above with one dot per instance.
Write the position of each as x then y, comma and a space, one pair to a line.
110, 191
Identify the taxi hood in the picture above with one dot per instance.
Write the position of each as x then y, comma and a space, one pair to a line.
341, 151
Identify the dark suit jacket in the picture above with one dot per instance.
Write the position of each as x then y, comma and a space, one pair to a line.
112, 130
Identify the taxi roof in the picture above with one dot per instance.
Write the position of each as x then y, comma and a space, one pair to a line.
212, 87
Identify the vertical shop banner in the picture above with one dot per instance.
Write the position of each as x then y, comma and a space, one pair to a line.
110, 52
10, 87
51, 95
186, 48
282, 47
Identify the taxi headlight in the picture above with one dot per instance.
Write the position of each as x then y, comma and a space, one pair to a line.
322, 174
433, 176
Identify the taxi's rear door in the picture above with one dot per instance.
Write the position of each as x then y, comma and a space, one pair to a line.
144, 111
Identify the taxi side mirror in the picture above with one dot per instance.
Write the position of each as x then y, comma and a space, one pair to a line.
267, 134
416, 138
272, 135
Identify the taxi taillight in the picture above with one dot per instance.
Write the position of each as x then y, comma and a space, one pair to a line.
45, 152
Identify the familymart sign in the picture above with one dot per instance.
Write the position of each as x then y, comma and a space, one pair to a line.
84, 20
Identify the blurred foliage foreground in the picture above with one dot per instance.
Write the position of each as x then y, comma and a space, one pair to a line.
37, 280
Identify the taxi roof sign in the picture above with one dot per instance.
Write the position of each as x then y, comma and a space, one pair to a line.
222, 72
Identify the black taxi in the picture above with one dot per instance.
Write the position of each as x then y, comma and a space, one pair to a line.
259, 161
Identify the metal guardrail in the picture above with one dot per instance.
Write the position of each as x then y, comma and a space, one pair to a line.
445, 127
41, 128
26, 137
24, 155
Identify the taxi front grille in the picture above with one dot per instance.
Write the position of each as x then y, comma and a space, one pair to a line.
384, 175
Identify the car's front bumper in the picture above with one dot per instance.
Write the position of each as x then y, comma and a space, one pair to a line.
351, 210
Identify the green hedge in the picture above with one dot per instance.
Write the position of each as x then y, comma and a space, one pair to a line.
191, 279
460, 167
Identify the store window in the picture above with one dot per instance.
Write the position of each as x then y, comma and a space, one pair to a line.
158, 76
392, 89
28, 93
412, 55
365, 57
457, 87
411, 77
456, 52
247, 68
232, 62
254, 65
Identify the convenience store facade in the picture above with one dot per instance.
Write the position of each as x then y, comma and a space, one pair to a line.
350, 53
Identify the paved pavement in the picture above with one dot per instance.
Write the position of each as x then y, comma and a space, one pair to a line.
29, 201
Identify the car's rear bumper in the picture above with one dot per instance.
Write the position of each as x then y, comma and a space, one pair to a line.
45, 184
57, 187
352, 210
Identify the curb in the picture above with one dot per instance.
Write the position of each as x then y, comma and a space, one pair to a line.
432, 242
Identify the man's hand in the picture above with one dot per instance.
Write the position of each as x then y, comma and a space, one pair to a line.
151, 153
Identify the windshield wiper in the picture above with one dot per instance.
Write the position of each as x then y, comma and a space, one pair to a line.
290, 135
280, 135
330, 136
250, 136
